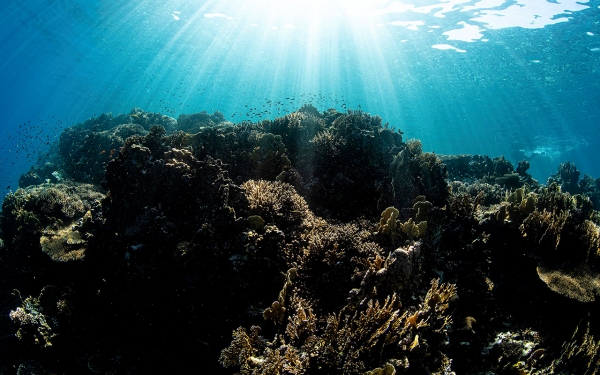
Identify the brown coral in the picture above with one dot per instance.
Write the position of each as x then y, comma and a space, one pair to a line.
276, 202
579, 282
351, 340
581, 353
66, 244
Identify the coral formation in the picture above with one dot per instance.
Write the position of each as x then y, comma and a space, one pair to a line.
387, 223
416, 173
313, 243
63, 245
349, 341
53, 214
482, 168
580, 354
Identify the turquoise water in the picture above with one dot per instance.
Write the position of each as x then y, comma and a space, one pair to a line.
515, 78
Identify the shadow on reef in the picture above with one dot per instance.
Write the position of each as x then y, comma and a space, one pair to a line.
315, 243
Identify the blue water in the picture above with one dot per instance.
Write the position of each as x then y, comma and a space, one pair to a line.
515, 78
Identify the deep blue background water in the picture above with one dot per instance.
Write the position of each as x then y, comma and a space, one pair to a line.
517, 78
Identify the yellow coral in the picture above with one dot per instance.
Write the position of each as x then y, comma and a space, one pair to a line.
583, 351
387, 224
387, 369
276, 312
273, 197
414, 230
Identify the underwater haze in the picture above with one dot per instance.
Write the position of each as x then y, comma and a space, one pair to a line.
514, 78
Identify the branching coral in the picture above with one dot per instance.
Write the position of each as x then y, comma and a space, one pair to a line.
329, 164
333, 254
581, 354
296, 130
35, 325
276, 202
327, 146
351, 340
568, 178
464, 205
495, 171
302, 324
243, 349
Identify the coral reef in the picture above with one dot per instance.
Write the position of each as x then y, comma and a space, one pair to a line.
313, 243
482, 168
